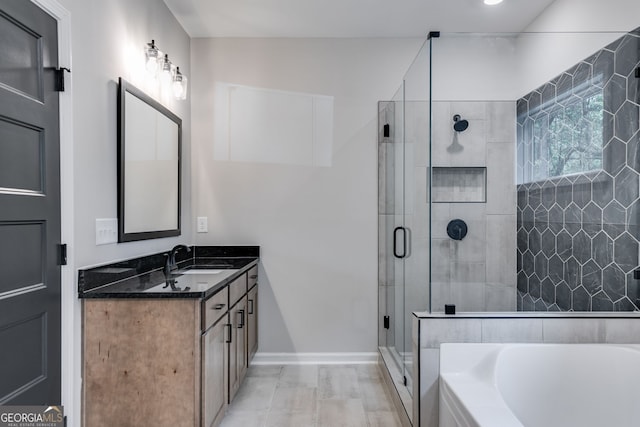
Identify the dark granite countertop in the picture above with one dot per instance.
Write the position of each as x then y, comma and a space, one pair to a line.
201, 273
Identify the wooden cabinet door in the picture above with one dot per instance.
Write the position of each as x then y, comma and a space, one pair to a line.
252, 323
215, 373
238, 346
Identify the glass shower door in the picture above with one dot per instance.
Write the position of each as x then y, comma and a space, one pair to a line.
391, 234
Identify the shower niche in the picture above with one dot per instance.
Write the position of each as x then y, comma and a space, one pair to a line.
459, 185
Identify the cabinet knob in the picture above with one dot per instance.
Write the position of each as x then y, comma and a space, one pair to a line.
253, 276
218, 307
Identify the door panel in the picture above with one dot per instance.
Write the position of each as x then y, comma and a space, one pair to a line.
30, 201
21, 154
21, 59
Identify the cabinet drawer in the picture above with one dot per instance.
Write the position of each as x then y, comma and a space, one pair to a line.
252, 277
237, 289
215, 307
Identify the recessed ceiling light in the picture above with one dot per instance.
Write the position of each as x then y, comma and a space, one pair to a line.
492, 2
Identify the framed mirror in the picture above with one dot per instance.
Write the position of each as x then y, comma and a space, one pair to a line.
149, 167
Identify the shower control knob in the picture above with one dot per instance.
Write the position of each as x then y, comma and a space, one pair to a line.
457, 229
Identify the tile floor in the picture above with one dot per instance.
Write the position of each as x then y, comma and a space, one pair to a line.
312, 395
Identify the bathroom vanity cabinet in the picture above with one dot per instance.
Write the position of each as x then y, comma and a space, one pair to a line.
167, 360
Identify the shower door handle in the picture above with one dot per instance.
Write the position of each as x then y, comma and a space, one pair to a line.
404, 242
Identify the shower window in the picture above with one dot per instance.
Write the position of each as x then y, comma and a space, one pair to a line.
563, 127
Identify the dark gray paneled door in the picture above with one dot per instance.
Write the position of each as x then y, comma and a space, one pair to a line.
29, 207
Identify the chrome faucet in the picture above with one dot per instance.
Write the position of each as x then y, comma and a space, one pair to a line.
170, 264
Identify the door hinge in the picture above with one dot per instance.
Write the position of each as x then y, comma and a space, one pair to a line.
638, 73
404, 381
59, 78
386, 322
386, 130
62, 254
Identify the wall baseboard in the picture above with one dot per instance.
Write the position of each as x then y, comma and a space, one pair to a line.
314, 358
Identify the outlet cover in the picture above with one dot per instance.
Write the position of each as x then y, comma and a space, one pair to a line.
202, 224
106, 231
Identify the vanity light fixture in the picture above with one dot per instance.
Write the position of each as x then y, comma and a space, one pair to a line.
169, 75
152, 54
492, 2
179, 84
166, 66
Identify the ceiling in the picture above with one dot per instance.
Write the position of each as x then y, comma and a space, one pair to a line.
350, 18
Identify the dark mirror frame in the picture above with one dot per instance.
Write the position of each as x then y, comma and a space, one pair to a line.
127, 89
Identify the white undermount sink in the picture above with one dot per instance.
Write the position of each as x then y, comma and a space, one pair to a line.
201, 271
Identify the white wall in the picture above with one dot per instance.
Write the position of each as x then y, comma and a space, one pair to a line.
105, 35
471, 67
569, 31
316, 226
476, 67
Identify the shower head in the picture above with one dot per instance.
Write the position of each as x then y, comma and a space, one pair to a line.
459, 125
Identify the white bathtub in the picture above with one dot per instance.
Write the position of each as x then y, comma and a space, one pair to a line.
539, 385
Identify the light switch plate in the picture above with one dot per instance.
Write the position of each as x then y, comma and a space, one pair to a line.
106, 231
202, 225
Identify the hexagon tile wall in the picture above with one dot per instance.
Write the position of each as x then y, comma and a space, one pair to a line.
579, 233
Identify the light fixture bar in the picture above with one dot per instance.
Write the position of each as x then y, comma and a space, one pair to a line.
159, 66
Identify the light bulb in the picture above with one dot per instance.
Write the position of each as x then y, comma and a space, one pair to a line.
179, 85
152, 54
492, 2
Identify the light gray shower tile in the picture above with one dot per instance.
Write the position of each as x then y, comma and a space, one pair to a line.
416, 279
440, 217
468, 211
573, 330
386, 174
436, 331
499, 297
471, 249
468, 296
382, 308
469, 110
440, 295
468, 272
429, 389
511, 330
442, 133
416, 119
440, 269
501, 180
501, 249
470, 149
386, 224
501, 121
623, 331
